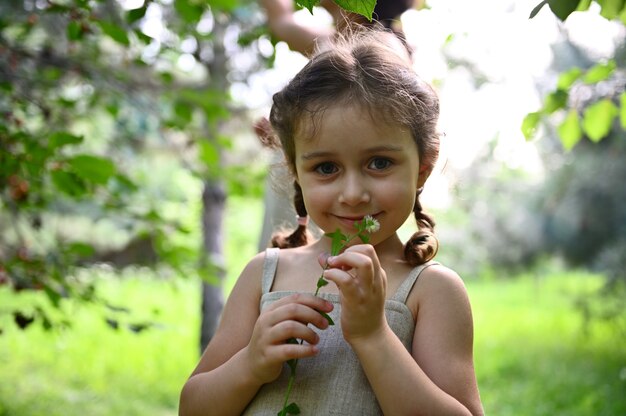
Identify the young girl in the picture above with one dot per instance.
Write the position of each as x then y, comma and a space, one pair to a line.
358, 130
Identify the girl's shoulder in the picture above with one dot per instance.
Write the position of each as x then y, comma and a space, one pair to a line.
438, 286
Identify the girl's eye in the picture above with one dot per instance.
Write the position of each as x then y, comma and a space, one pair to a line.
326, 168
379, 163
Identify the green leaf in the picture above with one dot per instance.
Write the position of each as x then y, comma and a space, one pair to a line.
622, 112
321, 282
567, 78
92, 168
555, 101
68, 183
81, 249
537, 8
529, 125
328, 318
74, 30
63, 138
610, 9
184, 112
563, 8
188, 11
208, 153
362, 7
291, 409
598, 119
337, 241
583, 5
135, 14
115, 32
569, 130
599, 72
308, 4
365, 238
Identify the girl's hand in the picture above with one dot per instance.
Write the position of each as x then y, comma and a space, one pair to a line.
286, 318
362, 284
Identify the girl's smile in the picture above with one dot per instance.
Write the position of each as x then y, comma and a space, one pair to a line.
355, 164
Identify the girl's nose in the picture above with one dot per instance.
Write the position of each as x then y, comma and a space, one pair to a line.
354, 191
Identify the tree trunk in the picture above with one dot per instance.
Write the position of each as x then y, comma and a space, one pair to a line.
213, 200
214, 197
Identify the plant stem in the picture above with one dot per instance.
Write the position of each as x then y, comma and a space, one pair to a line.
292, 377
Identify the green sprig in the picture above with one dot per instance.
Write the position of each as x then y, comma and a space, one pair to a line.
339, 242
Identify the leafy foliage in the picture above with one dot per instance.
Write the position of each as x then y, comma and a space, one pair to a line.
90, 95
591, 120
362, 7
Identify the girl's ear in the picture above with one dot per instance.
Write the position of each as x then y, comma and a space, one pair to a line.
425, 171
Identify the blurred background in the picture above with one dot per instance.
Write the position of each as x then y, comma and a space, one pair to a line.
132, 192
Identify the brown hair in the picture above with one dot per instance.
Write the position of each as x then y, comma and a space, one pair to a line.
363, 68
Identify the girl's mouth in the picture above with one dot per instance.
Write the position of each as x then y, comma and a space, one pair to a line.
349, 221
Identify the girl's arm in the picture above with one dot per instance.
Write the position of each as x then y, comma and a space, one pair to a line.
437, 377
282, 24
248, 349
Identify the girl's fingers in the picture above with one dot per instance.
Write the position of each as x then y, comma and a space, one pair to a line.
357, 262
292, 329
304, 313
305, 299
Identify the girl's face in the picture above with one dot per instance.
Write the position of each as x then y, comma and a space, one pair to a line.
354, 166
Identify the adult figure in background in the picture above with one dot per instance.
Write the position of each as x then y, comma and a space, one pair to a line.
306, 39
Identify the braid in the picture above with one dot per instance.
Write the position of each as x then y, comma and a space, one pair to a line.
300, 235
423, 245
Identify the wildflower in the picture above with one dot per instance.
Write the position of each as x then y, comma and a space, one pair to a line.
370, 224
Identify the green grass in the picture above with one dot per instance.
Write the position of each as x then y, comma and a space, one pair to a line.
532, 355
535, 356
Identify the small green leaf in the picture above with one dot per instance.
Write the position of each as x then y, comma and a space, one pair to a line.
598, 119
599, 72
567, 78
622, 112
537, 8
610, 9
81, 249
208, 153
583, 5
308, 4
188, 11
328, 318
63, 138
555, 101
563, 8
115, 32
569, 130
135, 14
68, 183
292, 409
362, 7
321, 282
74, 30
529, 125
365, 238
92, 168
337, 241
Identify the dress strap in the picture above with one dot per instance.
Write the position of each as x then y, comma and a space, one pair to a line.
269, 269
403, 291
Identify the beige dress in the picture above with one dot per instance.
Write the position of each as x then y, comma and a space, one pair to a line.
333, 382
